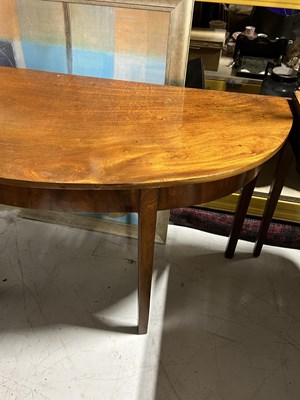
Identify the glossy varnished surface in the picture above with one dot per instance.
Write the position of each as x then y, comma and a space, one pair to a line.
67, 131
146, 147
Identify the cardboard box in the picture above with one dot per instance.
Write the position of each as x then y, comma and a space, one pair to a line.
207, 44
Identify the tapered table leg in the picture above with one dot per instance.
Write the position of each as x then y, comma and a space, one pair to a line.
282, 168
147, 224
239, 217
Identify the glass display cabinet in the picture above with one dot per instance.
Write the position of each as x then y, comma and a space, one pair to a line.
224, 78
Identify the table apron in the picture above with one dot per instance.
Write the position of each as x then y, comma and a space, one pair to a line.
118, 200
198, 193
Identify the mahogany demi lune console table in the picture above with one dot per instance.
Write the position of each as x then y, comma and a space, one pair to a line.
71, 143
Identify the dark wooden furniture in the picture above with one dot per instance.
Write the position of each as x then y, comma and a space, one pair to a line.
71, 143
290, 150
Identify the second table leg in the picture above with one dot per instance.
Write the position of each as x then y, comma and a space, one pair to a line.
240, 214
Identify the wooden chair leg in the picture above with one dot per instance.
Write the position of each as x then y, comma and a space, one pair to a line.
282, 168
239, 217
146, 237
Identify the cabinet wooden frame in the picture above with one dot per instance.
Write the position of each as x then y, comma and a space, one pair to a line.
294, 4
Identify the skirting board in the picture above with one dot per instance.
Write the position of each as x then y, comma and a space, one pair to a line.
285, 210
95, 224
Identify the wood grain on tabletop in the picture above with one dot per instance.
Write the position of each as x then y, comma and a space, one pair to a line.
64, 130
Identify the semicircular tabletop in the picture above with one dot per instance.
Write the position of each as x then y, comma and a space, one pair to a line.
65, 131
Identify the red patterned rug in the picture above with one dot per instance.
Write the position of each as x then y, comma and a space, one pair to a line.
280, 234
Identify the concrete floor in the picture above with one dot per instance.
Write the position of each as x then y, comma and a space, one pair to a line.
219, 329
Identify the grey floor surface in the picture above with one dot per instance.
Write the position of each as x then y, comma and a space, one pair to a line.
219, 329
